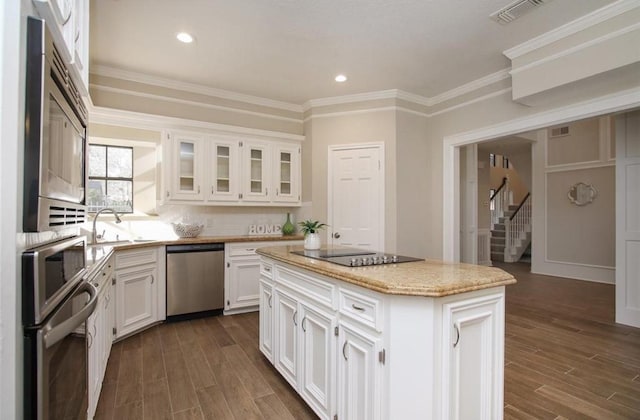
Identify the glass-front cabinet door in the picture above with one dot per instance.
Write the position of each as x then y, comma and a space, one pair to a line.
256, 170
187, 155
287, 173
224, 173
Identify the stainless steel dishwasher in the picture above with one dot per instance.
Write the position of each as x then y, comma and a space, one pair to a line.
195, 279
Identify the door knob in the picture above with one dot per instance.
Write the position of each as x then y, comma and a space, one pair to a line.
336, 235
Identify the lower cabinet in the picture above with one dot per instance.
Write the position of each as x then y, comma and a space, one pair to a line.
99, 331
472, 358
359, 374
352, 353
140, 288
242, 275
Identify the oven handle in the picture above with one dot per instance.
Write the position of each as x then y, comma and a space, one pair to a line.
54, 334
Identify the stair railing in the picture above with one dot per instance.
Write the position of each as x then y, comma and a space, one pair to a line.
499, 201
516, 227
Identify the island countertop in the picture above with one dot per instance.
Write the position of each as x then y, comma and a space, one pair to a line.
431, 278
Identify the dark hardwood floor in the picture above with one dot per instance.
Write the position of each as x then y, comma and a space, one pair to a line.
565, 358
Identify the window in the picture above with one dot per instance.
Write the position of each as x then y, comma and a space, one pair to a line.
505, 163
492, 160
110, 178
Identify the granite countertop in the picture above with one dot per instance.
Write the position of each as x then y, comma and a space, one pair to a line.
124, 245
432, 278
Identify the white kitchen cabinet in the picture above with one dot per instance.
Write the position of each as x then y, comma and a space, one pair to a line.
242, 275
286, 161
394, 356
286, 336
211, 169
224, 175
186, 162
472, 358
359, 374
140, 287
256, 157
317, 358
68, 22
266, 318
99, 330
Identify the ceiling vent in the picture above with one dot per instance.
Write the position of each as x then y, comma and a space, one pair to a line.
559, 132
515, 10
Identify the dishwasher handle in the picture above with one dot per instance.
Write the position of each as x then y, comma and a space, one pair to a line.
177, 249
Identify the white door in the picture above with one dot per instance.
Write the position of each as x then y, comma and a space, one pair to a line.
356, 196
628, 219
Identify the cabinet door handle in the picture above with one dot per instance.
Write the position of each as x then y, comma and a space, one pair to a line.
344, 348
457, 335
303, 328
89, 339
267, 269
266, 191
270, 297
276, 191
356, 307
152, 279
212, 191
167, 194
294, 318
198, 189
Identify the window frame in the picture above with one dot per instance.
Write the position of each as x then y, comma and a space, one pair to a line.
107, 178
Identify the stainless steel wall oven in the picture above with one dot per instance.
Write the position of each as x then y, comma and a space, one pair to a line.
57, 301
55, 138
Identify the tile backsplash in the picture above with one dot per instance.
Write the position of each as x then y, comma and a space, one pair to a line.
218, 221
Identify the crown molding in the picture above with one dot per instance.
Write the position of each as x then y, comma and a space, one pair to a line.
110, 116
188, 102
347, 99
471, 86
576, 48
131, 76
598, 16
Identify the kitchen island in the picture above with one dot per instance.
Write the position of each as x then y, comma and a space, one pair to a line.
418, 340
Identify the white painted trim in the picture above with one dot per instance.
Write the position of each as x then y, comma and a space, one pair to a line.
593, 273
145, 95
131, 76
100, 115
578, 166
450, 202
472, 101
471, 86
110, 141
348, 99
354, 112
598, 16
355, 146
576, 48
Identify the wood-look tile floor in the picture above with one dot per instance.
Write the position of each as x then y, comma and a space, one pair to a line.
565, 358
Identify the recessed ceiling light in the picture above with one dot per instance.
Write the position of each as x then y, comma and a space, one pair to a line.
341, 78
184, 37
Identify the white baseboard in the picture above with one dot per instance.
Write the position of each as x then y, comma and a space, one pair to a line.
593, 273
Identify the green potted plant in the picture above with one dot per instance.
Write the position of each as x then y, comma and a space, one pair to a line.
309, 229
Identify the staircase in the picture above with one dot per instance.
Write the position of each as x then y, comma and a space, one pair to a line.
509, 242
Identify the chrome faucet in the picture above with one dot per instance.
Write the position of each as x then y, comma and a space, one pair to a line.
94, 236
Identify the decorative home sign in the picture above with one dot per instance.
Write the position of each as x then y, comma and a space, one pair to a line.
582, 194
265, 230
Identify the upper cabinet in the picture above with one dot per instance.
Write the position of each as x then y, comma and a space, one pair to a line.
68, 22
225, 170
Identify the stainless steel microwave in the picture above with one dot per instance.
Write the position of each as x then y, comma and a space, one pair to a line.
55, 138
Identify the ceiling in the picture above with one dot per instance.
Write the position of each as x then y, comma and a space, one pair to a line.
291, 50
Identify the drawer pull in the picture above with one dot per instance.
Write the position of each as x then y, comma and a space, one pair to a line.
294, 318
270, 297
303, 327
344, 348
356, 307
267, 269
250, 249
457, 335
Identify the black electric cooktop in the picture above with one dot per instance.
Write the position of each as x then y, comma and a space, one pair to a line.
354, 257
